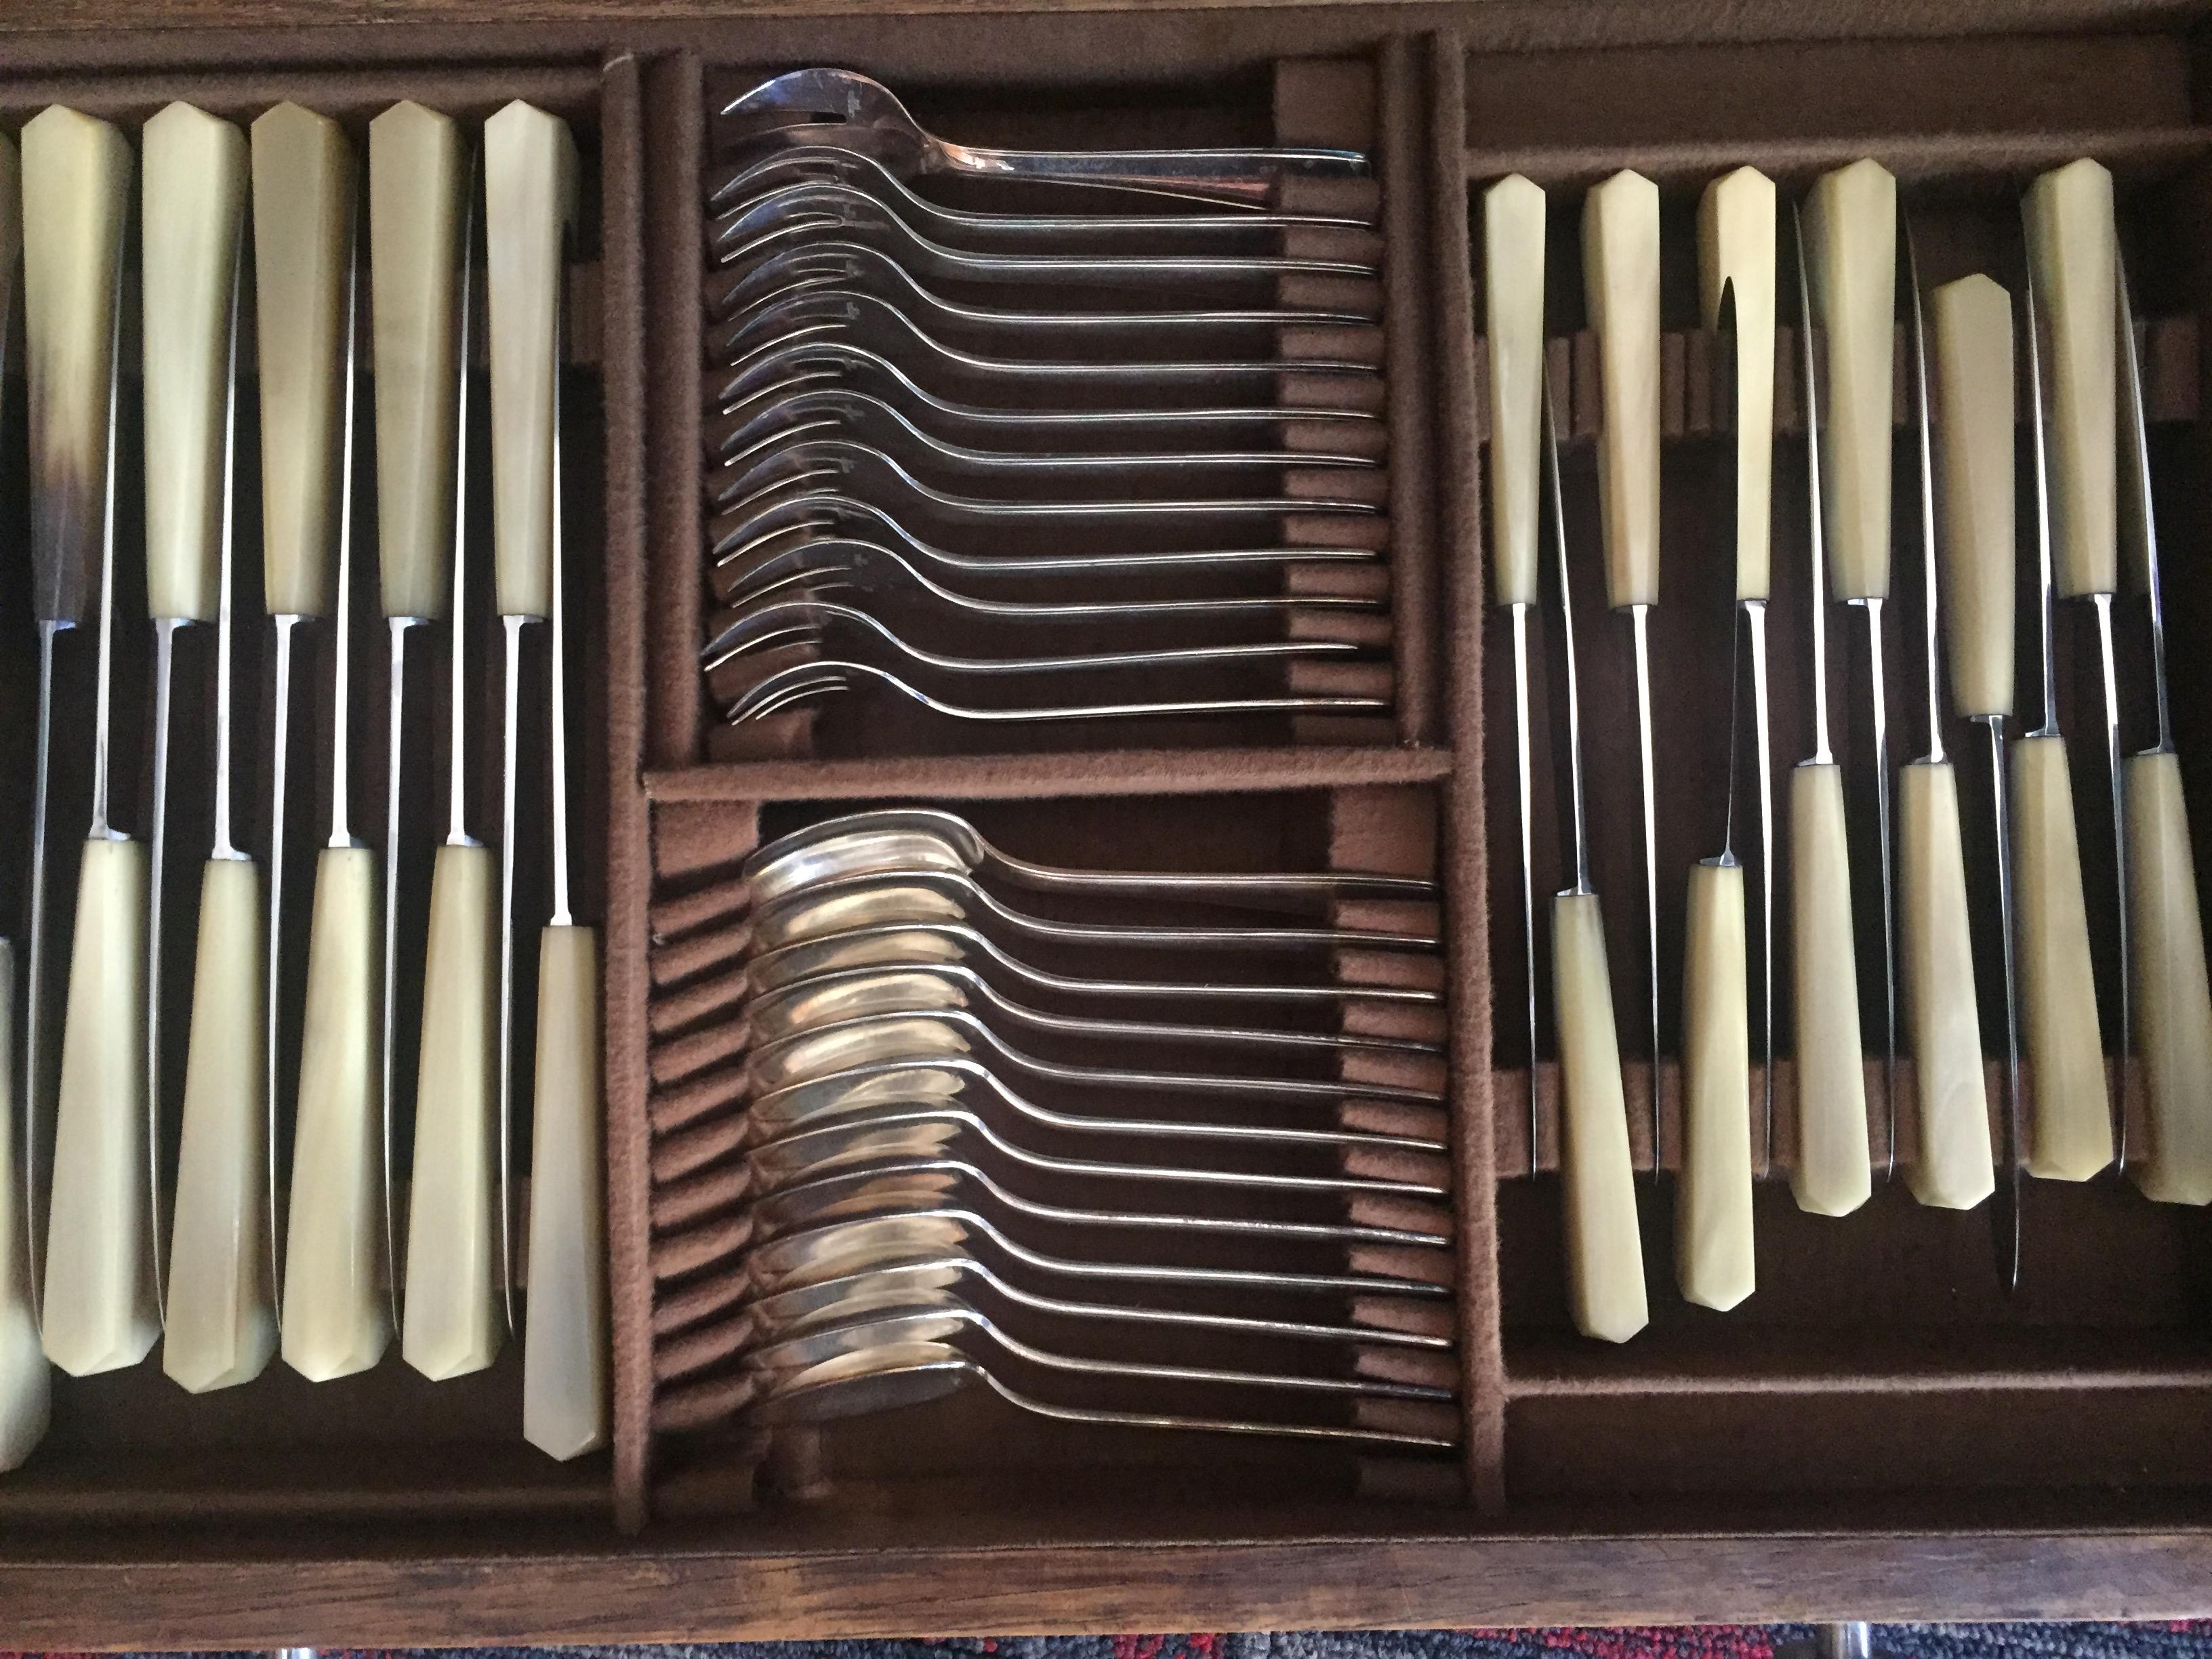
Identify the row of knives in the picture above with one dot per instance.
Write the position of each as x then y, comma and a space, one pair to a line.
2090, 457
228, 1259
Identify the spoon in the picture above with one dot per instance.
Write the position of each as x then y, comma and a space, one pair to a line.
730, 187
849, 887
866, 111
762, 216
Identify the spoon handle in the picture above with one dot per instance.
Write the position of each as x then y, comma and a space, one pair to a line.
1713, 1247
1604, 1250
1247, 176
2072, 1137
452, 1323
337, 1316
222, 1317
565, 1356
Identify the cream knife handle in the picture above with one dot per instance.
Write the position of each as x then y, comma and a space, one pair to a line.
2174, 1006
414, 254
337, 1315
77, 199
100, 1302
192, 189
1834, 1174
1513, 303
1735, 253
1604, 1247
223, 1316
1976, 434
25, 1385
1714, 1263
452, 1324
2072, 1137
565, 1353
1851, 235
530, 202
303, 207
1955, 1169
1620, 282
2073, 243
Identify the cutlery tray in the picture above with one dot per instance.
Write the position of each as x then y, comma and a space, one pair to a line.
1877, 1432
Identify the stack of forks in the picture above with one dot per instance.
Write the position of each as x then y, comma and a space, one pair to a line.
1010, 436
1125, 1148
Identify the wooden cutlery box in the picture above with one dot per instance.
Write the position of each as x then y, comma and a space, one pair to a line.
1878, 1432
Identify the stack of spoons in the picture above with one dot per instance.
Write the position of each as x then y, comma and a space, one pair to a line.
1005, 435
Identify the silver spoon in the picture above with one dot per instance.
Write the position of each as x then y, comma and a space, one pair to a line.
945, 1032
858, 110
927, 987
867, 885
883, 945
856, 265
733, 186
912, 1373
880, 1085
759, 219
871, 420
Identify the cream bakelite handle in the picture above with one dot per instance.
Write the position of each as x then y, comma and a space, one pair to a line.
1954, 1169
2073, 242
100, 1312
77, 199
565, 1342
2073, 1130
1714, 1262
303, 210
1735, 253
1851, 237
1513, 301
451, 1324
25, 1386
222, 1313
2174, 1006
1975, 434
1834, 1174
1620, 284
192, 190
337, 1315
530, 201
1605, 1249
414, 251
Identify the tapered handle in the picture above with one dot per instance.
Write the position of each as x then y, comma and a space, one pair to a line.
2073, 245
451, 1324
1834, 1174
530, 202
77, 195
1975, 434
26, 1384
1620, 282
303, 213
2073, 1127
192, 190
2174, 1006
223, 1311
565, 1353
1735, 254
1605, 1249
100, 1310
1852, 246
1954, 1169
1714, 1258
337, 1315
1513, 305
414, 253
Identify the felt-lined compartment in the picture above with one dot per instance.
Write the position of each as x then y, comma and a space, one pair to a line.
383, 1445
1878, 1350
